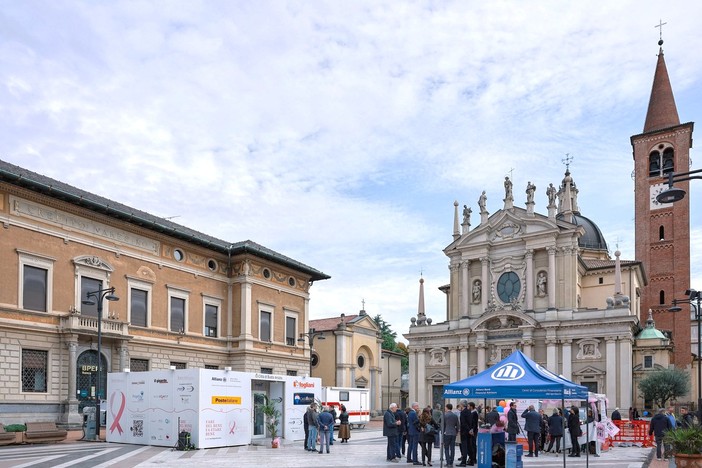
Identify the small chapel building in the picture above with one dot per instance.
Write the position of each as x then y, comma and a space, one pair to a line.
542, 284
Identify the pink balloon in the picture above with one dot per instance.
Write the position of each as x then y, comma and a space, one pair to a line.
503, 419
500, 409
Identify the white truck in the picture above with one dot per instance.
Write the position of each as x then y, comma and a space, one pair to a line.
356, 401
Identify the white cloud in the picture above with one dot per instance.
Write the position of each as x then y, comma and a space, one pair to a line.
341, 133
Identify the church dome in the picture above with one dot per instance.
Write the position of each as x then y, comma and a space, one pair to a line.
593, 238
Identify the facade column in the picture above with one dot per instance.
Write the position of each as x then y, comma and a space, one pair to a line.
465, 290
464, 360
551, 286
552, 355
343, 345
480, 344
374, 394
626, 376
611, 365
530, 280
421, 376
567, 346
247, 317
453, 365
528, 344
123, 356
485, 280
413, 372
70, 414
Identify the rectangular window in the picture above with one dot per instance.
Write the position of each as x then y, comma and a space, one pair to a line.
211, 320
210, 366
34, 370
139, 365
178, 365
89, 285
290, 330
177, 314
266, 370
343, 396
265, 326
291, 373
139, 307
648, 362
35, 288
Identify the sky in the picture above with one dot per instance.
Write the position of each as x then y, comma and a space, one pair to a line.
341, 133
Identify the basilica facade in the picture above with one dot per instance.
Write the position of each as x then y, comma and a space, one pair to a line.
542, 284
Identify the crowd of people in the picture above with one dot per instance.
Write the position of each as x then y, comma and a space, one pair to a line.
319, 427
416, 430
662, 422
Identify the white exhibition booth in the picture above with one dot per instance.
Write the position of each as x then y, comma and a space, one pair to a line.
214, 406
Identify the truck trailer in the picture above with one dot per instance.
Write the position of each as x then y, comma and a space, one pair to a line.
356, 401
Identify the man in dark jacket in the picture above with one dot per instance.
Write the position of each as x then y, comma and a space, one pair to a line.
555, 429
492, 417
574, 431
306, 426
659, 425
686, 419
472, 434
332, 411
532, 426
401, 430
616, 415
450, 430
464, 425
390, 425
413, 434
512, 422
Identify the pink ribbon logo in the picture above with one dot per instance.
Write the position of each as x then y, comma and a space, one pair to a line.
232, 426
116, 418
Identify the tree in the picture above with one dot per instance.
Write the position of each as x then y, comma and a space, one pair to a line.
665, 384
389, 341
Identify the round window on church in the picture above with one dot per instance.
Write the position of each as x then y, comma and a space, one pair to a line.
508, 287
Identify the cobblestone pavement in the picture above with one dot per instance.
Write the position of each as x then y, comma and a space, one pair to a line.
365, 449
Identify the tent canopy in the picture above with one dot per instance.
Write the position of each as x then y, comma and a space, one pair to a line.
516, 376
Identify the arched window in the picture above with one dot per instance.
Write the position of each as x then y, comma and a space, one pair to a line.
654, 164
661, 298
661, 233
668, 160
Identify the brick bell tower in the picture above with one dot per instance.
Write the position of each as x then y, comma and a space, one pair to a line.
662, 231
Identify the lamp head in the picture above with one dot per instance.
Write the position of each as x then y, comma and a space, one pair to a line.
90, 300
671, 195
321, 337
111, 296
692, 294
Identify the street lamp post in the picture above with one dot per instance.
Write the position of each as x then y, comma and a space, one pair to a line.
92, 298
694, 296
674, 194
310, 336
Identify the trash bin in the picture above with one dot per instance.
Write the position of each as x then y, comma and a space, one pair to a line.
89, 427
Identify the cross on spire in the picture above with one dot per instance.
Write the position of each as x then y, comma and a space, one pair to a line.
363, 304
660, 31
567, 160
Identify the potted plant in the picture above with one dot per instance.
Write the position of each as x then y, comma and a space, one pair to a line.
18, 429
272, 415
686, 444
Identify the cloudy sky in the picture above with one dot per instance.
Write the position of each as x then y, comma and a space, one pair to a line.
340, 133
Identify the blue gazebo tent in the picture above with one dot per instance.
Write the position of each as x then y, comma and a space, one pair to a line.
516, 376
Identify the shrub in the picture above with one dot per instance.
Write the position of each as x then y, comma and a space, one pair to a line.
15, 428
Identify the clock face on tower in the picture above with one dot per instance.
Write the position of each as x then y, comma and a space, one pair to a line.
654, 191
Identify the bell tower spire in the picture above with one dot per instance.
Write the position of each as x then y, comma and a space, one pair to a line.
662, 230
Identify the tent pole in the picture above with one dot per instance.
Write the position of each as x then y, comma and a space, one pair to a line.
441, 432
564, 429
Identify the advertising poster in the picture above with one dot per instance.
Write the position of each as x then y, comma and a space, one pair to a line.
225, 409
299, 394
161, 420
186, 399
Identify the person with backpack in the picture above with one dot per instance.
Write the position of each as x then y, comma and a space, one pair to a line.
428, 430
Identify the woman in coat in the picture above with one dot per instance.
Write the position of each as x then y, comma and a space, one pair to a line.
555, 430
427, 434
344, 428
574, 428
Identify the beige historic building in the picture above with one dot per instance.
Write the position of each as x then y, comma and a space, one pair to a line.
186, 299
543, 284
350, 354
